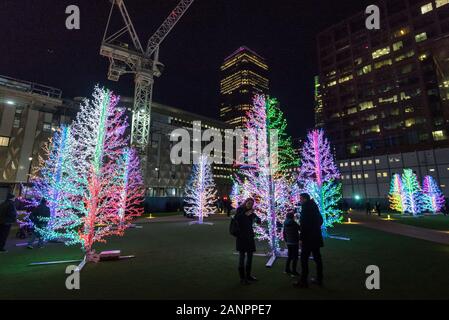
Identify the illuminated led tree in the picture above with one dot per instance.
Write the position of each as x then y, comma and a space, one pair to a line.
99, 140
240, 192
318, 176
265, 182
396, 196
287, 155
413, 196
200, 192
433, 197
50, 181
130, 189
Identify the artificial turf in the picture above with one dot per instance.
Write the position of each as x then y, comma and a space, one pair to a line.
178, 261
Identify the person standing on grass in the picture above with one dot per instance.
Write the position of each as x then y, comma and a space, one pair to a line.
368, 208
8, 216
291, 238
245, 242
311, 238
39, 217
378, 209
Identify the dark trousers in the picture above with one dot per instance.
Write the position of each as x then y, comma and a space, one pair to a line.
305, 254
4, 233
245, 268
292, 259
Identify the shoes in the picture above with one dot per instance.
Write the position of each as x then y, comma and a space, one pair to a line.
244, 282
317, 282
30, 247
251, 278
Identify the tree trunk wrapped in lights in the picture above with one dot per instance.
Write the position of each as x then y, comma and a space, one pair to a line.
433, 197
318, 177
200, 192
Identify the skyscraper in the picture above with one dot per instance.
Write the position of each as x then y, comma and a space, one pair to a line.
386, 91
243, 74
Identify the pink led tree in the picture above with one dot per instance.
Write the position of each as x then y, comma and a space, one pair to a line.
318, 177
130, 189
264, 181
433, 197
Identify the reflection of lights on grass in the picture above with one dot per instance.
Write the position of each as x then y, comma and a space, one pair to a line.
349, 221
150, 216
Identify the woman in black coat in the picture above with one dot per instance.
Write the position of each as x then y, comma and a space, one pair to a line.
245, 242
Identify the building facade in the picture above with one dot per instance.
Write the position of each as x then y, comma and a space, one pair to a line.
386, 91
29, 114
243, 74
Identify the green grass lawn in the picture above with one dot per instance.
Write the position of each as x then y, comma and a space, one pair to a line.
178, 261
438, 222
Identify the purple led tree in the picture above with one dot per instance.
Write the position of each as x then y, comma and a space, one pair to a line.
318, 176
433, 197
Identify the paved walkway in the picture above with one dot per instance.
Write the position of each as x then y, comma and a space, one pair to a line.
382, 224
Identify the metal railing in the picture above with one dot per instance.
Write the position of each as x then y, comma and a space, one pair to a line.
30, 87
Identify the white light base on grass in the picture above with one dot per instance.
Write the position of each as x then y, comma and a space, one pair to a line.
197, 222
53, 262
336, 237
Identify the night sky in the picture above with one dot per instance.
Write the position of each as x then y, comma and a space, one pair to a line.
36, 46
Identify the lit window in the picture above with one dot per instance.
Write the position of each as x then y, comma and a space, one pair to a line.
421, 37
4, 141
381, 52
383, 63
398, 46
440, 3
359, 176
370, 162
352, 164
379, 174
364, 162
439, 135
377, 161
426, 8
385, 174
431, 170
366, 175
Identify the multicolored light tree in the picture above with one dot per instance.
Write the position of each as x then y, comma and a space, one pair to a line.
130, 189
49, 182
239, 192
200, 193
433, 197
396, 195
318, 176
91, 187
264, 179
413, 196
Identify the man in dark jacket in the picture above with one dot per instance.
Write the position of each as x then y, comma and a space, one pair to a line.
291, 238
245, 243
39, 217
8, 216
311, 240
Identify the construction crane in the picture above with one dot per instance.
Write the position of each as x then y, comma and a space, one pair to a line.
143, 63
